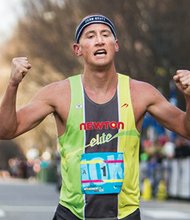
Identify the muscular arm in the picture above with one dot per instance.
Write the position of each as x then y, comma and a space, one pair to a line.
149, 99
8, 119
168, 115
14, 123
34, 112
182, 80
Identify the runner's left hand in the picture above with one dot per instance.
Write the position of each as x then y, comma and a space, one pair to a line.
182, 80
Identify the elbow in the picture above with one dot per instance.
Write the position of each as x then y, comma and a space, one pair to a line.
7, 135
5, 138
187, 131
187, 136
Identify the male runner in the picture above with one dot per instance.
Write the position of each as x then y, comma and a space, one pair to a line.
99, 115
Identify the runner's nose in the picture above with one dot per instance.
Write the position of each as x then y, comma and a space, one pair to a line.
99, 39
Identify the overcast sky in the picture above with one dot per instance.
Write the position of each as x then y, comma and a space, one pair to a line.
9, 12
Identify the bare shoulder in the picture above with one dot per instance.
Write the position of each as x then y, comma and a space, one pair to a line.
140, 85
57, 86
144, 96
144, 91
54, 91
60, 97
55, 96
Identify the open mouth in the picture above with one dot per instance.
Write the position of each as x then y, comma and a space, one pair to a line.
100, 52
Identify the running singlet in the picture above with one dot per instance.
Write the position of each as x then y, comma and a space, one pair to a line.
100, 155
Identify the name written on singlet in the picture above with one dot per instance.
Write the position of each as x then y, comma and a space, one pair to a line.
101, 125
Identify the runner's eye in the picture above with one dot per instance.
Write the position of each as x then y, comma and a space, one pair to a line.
89, 36
105, 35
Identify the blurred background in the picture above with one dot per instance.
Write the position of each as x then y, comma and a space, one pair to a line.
154, 42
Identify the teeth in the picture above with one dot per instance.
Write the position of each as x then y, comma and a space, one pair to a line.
100, 52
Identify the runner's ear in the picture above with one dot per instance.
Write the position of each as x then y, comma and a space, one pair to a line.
77, 49
116, 46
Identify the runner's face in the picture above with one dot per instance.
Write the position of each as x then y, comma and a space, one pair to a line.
97, 45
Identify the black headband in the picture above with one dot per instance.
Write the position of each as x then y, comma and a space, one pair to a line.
93, 19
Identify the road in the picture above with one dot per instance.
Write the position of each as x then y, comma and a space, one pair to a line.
24, 200
29, 200
167, 210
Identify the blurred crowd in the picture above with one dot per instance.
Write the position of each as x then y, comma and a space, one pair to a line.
160, 150
40, 167
23, 168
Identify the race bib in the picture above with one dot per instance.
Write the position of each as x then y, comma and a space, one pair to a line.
102, 173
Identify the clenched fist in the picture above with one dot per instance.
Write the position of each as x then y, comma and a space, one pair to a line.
182, 80
20, 67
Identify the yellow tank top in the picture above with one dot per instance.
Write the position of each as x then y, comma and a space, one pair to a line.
73, 143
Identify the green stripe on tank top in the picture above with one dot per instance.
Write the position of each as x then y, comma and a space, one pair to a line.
72, 146
129, 141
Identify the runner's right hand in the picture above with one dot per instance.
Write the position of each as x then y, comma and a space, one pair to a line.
20, 67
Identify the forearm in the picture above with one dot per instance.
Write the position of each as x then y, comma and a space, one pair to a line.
187, 116
8, 116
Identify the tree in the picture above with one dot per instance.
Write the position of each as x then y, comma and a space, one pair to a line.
153, 38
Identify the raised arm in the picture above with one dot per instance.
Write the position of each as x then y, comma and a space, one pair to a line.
12, 122
182, 79
170, 116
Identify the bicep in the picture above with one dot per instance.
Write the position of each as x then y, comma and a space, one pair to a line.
167, 114
31, 115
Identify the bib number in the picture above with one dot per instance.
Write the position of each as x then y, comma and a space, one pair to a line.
102, 173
